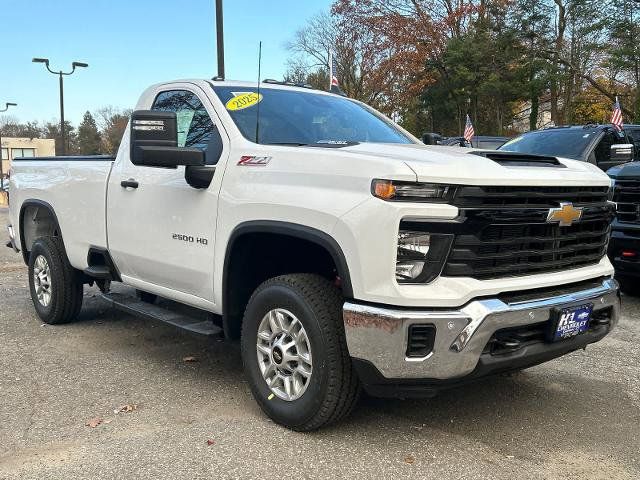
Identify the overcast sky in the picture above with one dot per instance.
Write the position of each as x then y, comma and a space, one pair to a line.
130, 44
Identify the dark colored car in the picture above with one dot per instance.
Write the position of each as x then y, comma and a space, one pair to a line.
480, 141
634, 132
601, 145
624, 246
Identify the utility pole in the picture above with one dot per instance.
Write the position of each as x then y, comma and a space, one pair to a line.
60, 74
6, 107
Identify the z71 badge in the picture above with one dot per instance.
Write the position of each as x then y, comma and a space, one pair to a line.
252, 161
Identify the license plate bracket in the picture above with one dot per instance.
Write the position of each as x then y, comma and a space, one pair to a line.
569, 322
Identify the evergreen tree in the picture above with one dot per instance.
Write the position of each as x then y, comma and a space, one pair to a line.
89, 140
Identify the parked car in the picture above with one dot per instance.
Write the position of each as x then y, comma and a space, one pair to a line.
480, 141
339, 249
600, 145
624, 246
634, 132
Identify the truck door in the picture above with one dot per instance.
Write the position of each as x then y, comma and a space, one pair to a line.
162, 231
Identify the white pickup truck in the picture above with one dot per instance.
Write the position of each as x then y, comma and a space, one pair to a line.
341, 251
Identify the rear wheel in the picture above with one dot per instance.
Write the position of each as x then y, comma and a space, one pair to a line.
56, 287
295, 354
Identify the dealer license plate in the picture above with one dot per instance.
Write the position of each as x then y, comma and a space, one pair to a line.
572, 321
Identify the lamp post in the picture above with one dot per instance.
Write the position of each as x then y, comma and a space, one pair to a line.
6, 107
60, 74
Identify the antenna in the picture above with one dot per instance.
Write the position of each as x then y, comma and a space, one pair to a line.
220, 38
258, 99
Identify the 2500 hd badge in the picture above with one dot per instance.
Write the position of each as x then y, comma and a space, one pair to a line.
190, 238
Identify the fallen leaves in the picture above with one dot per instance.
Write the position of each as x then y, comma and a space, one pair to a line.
129, 407
409, 459
211, 442
94, 422
190, 359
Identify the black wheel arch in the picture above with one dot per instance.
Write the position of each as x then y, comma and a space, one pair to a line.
34, 202
292, 230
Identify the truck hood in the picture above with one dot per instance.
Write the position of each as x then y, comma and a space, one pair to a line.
629, 170
456, 165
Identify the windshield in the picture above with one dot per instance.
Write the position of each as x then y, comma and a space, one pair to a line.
570, 142
301, 118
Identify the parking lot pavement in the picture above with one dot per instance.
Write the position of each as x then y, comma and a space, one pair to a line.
577, 417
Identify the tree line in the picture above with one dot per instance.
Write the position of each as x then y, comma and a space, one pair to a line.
98, 133
513, 65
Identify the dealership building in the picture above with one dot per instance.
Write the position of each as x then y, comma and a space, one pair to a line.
13, 147
25, 147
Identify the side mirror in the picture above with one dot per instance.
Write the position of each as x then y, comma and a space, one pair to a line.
622, 153
431, 139
154, 141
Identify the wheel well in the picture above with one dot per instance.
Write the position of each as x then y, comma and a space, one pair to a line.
37, 219
253, 257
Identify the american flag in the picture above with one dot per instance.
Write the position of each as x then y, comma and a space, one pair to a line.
616, 116
469, 132
333, 71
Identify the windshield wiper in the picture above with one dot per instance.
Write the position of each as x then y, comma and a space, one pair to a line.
322, 144
295, 144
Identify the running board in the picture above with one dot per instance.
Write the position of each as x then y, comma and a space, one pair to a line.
134, 306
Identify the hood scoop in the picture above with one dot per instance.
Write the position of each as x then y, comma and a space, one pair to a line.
516, 159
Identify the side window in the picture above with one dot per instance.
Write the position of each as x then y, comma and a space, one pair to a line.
195, 127
603, 149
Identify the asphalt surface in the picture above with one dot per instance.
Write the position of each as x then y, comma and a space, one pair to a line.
577, 417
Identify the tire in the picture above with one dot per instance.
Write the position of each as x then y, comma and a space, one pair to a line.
146, 296
332, 389
57, 293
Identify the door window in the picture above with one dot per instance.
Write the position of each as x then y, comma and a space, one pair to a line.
195, 127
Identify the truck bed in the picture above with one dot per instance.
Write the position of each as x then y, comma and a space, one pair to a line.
76, 189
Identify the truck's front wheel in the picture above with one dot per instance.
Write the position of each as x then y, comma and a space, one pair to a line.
295, 354
56, 287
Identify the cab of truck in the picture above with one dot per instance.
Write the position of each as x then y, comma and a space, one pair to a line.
600, 145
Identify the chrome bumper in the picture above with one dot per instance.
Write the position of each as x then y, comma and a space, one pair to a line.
379, 335
12, 238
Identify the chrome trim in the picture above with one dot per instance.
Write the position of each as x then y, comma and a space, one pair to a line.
379, 334
12, 238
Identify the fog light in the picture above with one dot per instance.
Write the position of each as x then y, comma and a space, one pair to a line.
420, 256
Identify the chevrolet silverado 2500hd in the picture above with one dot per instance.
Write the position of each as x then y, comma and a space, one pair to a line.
338, 249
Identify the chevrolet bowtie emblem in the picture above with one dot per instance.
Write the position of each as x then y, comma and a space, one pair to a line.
565, 215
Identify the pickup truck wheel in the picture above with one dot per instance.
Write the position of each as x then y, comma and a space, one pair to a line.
56, 287
295, 354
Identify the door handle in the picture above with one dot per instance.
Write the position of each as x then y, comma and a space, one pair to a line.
131, 183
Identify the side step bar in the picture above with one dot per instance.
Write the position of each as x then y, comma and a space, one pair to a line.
134, 306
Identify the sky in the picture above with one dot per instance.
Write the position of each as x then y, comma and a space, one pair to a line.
131, 44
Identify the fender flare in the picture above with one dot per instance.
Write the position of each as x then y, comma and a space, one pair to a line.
34, 202
295, 230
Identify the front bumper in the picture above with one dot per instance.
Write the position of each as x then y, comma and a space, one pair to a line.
12, 238
377, 336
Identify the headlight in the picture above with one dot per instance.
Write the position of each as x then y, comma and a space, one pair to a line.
612, 189
411, 191
420, 256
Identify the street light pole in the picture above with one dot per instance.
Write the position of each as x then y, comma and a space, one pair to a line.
6, 107
60, 74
